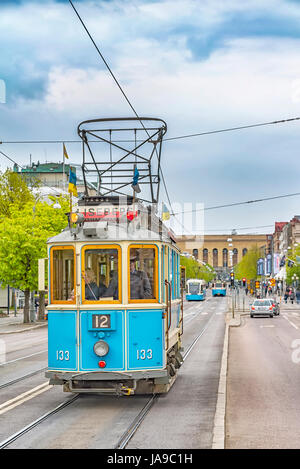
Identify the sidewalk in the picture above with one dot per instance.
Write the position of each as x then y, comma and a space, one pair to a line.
13, 324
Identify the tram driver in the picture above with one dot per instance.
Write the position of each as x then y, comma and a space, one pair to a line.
140, 288
91, 288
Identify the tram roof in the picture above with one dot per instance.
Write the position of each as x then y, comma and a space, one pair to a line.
109, 232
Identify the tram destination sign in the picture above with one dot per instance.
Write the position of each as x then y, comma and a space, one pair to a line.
108, 212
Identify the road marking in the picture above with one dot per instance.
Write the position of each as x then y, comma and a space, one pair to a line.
26, 396
291, 323
268, 326
23, 358
204, 313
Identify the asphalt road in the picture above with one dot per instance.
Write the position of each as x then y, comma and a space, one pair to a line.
263, 398
181, 419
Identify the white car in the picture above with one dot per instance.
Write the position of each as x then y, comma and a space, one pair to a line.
262, 307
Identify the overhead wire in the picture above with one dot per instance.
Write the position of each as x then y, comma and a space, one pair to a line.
123, 93
209, 132
238, 203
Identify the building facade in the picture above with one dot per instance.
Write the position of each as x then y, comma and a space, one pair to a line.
222, 251
53, 175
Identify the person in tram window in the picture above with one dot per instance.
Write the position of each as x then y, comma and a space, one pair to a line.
113, 287
91, 287
102, 286
140, 288
72, 296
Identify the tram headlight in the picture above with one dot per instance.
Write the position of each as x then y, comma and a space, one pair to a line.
101, 348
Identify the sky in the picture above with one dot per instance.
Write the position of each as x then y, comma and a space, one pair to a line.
198, 65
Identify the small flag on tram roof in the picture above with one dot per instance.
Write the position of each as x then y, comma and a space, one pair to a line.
65, 152
165, 213
72, 182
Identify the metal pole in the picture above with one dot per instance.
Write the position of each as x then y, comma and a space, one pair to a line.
32, 311
8, 302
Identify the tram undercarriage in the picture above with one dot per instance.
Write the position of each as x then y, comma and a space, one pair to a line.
114, 383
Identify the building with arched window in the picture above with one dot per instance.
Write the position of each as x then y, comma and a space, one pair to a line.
215, 258
225, 257
215, 248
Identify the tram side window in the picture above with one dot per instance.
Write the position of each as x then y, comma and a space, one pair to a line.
63, 275
142, 273
100, 274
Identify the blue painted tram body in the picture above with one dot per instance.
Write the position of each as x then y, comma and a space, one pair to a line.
219, 289
196, 290
115, 308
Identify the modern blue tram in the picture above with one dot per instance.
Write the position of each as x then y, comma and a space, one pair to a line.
196, 290
219, 289
115, 313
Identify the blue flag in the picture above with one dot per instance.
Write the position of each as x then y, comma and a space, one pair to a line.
72, 183
135, 186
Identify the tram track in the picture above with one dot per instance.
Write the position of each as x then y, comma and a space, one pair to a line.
136, 422
128, 434
22, 378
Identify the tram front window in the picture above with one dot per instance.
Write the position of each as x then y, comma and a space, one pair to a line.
62, 282
101, 274
194, 288
142, 273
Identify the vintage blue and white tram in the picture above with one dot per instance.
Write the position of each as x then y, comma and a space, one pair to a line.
196, 290
219, 289
115, 313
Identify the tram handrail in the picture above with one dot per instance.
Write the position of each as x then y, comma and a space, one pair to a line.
181, 307
169, 313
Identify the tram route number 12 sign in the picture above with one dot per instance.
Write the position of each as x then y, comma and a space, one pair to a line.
101, 321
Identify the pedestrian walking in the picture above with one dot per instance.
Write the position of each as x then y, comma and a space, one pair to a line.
298, 296
292, 296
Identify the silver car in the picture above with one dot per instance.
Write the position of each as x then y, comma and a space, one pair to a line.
262, 307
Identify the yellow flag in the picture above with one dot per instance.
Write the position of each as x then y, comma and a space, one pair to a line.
65, 153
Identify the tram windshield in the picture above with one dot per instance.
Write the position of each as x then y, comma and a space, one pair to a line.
63, 274
219, 285
101, 274
142, 273
194, 288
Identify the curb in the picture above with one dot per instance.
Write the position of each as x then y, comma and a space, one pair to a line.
24, 330
219, 420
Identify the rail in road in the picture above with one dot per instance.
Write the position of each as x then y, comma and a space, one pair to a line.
193, 311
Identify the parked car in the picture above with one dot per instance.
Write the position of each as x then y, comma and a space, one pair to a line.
263, 307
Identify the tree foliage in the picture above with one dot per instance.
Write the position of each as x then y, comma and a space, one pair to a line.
14, 193
23, 239
246, 268
295, 268
196, 270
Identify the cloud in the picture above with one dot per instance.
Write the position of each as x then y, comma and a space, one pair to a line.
198, 65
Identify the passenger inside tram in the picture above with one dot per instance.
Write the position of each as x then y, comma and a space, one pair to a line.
113, 287
140, 287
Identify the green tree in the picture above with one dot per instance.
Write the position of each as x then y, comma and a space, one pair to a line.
194, 269
246, 268
14, 193
23, 239
295, 268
